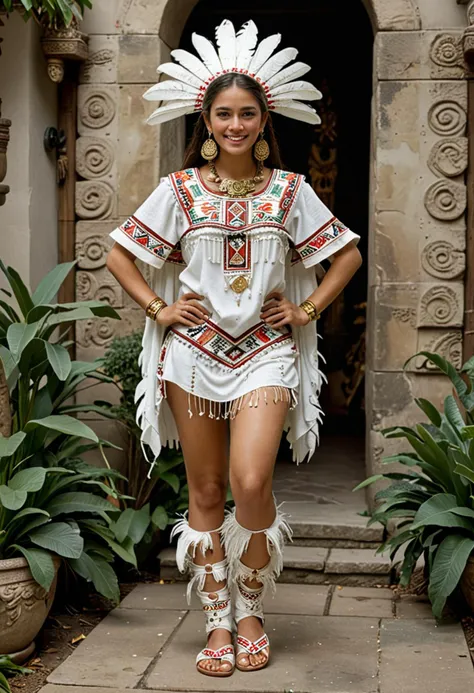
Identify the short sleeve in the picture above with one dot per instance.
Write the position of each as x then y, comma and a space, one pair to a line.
155, 228
316, 232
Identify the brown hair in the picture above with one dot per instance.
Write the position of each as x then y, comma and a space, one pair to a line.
192, 155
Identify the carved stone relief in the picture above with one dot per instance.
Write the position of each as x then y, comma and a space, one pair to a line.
442, 260
447, 118
405, 315
446, 200
94, 199
97, 109
96, 59
446, 50
94, 157
91, 253
98, 286
447, 345
449, 157
441, 306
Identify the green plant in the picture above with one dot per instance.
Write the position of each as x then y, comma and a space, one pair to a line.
434, 495
49, 12
166, 492
51, 501
9, 668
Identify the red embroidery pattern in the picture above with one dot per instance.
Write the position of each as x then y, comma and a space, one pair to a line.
253, 647
146, 237
328, 233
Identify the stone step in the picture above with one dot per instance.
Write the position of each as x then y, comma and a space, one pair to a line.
314, 566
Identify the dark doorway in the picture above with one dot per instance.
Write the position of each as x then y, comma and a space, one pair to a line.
336, 40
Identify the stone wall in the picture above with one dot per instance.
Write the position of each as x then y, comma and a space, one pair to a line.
417, 197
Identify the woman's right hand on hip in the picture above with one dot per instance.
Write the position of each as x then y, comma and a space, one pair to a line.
187, 310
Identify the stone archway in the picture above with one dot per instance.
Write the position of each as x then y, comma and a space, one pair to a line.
417, 197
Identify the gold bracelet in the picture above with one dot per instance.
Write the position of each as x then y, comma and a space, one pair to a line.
154, 307
310, 309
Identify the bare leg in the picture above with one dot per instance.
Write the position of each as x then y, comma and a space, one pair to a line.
255, 438
204, 443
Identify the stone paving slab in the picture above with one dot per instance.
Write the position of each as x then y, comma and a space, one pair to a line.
311, 655
343, 604
290, 599
357, 561
305, 557
418, 655
411, 607
365, 592
119, 650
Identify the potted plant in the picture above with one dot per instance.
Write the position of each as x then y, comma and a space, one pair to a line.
53, 13
434, 493
53, 506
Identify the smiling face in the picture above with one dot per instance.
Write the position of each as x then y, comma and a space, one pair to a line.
235, 120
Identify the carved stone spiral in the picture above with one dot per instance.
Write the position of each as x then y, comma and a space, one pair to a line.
95, 157
446, 50
98, 110
446, 200
449, 346
94, 199
447, 118
98, 332
449, 157
90, 286
442, 260
438, 306
92, 252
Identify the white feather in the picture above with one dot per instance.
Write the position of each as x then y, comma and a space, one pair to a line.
298, 111
245, 46
181, 74
225, 39
170, 111
277, 63
296, 90
263, 52
191, 63
170, 90
288, 74
207, 53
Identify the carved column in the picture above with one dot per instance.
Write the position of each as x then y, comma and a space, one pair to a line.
468, 49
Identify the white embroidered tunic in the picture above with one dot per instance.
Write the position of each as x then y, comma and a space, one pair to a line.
233, 252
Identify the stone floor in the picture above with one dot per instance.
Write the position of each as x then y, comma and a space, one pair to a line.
323, 638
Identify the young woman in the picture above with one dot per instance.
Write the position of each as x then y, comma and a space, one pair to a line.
229, 355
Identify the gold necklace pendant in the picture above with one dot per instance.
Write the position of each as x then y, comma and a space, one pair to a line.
239, 284
237, 188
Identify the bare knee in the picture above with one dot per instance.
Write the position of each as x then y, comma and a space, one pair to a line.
208, 495
252, 490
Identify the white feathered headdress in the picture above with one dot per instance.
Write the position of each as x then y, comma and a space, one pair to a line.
238, 53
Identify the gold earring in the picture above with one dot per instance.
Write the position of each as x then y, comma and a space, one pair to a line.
261, 150
209, 149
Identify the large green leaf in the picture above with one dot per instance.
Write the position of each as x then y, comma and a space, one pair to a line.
132, 523
125, 553
8, 446
21, 292
172, 480
160, 517
448, 566
41, 565
446, 367
430, 410
60, 538
70, 316
51, 283
369, 481
453, 414
99, 308
29, 480
442, 510
77, 502
59, 359
63, 424
464, 471
11, 499
19, 334
100, 573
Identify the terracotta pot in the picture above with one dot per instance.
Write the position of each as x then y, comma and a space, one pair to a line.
24, 606
467, 583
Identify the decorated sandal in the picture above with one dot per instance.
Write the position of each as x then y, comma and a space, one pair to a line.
249, 600
216, 605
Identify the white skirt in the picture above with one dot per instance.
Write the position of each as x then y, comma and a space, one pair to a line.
206, 379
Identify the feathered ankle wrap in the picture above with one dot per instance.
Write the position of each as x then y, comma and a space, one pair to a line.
189, 538
236, 541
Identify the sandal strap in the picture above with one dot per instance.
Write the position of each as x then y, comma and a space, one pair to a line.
249, 600
200, 573
218, 611
244, 645
225, 654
